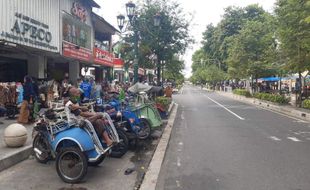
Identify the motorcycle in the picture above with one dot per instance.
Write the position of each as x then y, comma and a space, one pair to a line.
74, 147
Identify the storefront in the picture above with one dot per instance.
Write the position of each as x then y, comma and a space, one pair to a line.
76, 37
29, 37
102, 56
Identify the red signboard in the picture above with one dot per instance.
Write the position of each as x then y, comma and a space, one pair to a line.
73, 51
103, 57
118, 62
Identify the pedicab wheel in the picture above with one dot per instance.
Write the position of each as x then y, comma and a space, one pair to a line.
71, 165
40, 149
122, 147
97, 162
145, 132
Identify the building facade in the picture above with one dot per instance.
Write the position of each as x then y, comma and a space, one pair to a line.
48, 38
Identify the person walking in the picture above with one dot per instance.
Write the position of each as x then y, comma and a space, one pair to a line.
28, 96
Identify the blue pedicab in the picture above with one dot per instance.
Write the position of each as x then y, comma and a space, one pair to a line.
133, 126
74, 147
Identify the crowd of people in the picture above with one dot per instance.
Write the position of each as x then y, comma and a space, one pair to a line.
33, 94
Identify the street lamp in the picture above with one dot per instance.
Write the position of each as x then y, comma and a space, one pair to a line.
131, 14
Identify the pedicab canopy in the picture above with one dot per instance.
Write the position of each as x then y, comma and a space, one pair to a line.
139, 87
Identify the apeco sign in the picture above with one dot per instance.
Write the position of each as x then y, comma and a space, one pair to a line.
27, 30
79, 11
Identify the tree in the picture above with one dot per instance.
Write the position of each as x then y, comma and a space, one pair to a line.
294, 33
171, 38
249, 53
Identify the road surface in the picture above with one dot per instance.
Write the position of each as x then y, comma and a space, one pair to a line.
218, 143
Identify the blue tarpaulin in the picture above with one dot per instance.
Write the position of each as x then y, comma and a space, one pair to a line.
270, 79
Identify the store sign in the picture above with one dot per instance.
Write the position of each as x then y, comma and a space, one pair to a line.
79, 11
103, 57
117, 62
29, 31
76, 52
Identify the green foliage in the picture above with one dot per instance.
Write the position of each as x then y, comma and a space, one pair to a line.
306, 104
249, 50
294, 33
272, 98
164, 42
163, 101
172, 71
210, 73
242, 92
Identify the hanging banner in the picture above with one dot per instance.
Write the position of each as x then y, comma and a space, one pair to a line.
103, 57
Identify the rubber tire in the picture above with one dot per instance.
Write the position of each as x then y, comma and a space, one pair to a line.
116, 153
84, 160
40, 160
96, 163
145, 123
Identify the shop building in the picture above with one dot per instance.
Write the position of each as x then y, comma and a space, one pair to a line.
29, 37
77, 37
48, 38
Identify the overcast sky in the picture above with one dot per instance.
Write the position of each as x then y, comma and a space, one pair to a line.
204, 11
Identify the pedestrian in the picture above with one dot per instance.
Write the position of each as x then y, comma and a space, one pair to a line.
86, 87
28, 95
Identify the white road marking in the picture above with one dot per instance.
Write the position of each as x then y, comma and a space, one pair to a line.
275, 138
301, 132
178, 183
182, 115
294, 139
241, 118
178, 162
181, 143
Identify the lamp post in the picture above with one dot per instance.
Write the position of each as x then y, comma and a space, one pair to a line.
131, 14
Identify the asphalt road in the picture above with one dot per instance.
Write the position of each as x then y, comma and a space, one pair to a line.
221, 144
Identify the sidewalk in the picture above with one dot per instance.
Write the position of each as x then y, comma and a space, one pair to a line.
289, 110
11, 156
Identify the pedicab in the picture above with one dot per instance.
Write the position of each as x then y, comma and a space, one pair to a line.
74, 147
143, 106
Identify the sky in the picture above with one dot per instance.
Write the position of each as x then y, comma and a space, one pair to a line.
204, 12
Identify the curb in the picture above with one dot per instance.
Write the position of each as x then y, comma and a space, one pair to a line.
151, 176
270, 106
171, 106
15, 157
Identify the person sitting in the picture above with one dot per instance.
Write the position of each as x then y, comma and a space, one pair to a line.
75, 113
